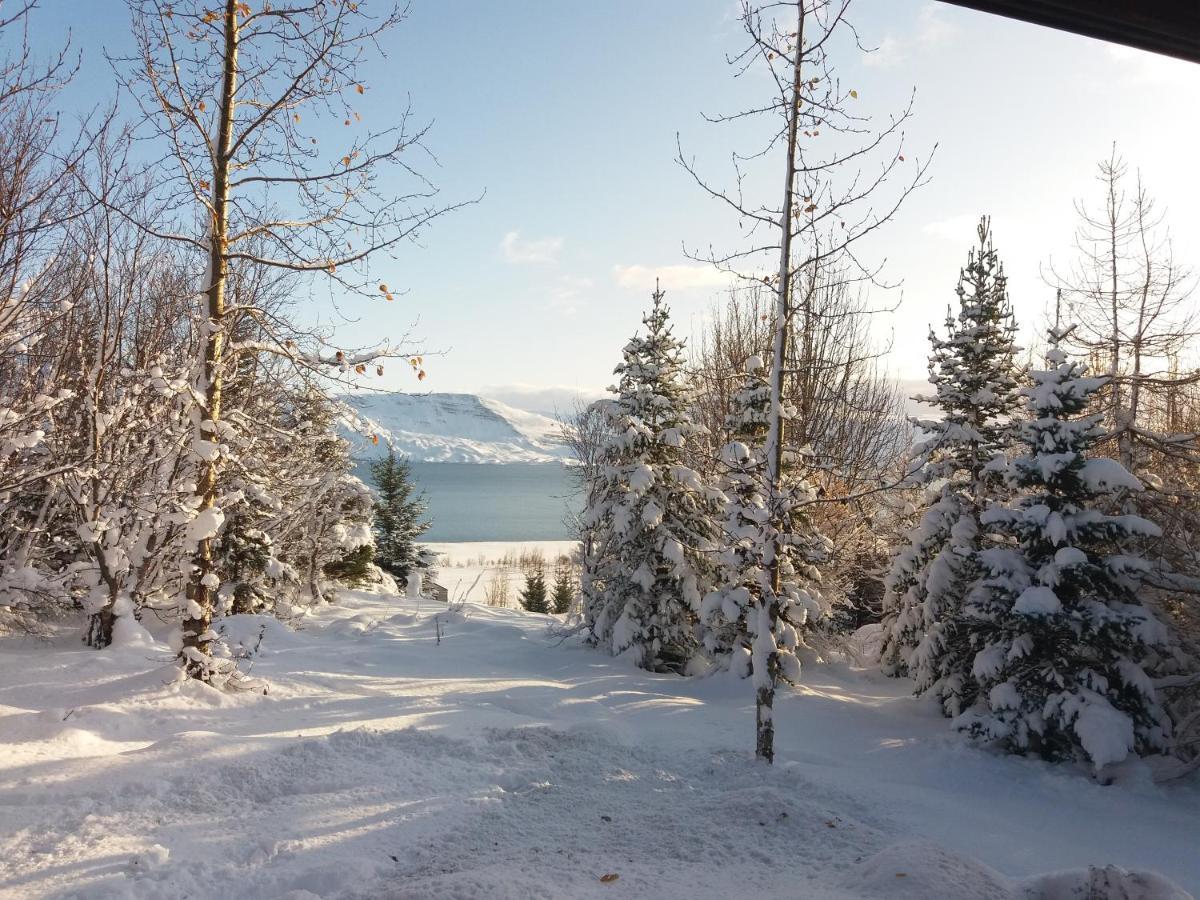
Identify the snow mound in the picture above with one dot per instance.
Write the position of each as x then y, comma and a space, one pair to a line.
918, 870
1104, 883
459, 428
153, 857
867, 642
915, 870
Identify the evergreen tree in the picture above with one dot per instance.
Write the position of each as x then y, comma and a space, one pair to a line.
658, 512
1059, 630
399, 517
244, 552
975, 376
353, 568
534, 596
752, 625
562, 595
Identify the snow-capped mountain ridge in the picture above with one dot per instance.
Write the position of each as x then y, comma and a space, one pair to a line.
462, 428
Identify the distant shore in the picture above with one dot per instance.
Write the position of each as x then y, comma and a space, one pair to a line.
466, 568
470, 551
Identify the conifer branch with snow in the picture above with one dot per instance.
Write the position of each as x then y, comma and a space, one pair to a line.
1059, 633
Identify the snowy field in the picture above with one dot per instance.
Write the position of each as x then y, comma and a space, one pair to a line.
462, 563
504, 762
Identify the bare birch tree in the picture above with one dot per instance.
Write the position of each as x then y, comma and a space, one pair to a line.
1131, 301
37, 289
232, 93
837, 167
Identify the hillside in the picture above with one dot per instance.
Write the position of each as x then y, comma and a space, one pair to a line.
461, 428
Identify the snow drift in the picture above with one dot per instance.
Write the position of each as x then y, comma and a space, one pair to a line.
406, 750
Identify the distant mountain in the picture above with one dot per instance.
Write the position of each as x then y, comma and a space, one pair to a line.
459, 428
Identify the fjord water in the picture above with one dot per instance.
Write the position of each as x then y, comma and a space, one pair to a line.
497, 502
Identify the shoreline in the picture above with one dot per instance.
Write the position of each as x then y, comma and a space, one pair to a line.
460, 552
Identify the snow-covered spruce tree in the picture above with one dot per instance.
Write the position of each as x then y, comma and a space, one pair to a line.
246, 553
975, 376
534, 596
661, 514
848, 417
1059, 630
751, 624
399, 516
1134, 304
562, 593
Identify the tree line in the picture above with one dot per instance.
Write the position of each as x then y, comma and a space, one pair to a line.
167, 424
1026, 552
1019, 571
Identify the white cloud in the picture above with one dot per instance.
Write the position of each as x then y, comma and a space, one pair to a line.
931, 30
568, 294
888, 53
696, 276
516, 250
960, 228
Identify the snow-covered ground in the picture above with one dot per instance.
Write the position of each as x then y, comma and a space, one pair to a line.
470, 552
476, 754
459, 428
466, 568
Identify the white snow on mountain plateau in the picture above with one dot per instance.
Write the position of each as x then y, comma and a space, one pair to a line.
450, 428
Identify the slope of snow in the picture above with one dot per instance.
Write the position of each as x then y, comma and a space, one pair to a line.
400, 753
533, 426
451, 428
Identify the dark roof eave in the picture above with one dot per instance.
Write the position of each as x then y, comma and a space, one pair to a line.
1171, 27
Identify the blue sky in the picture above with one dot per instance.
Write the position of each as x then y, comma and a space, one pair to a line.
566, 113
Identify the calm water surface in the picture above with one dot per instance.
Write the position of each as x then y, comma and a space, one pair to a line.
516, 502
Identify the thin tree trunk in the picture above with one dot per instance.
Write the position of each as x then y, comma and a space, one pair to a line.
100, 628
314, 587
764, 723
765, 695
1114, 304
19, 559
197, 624
1128, 452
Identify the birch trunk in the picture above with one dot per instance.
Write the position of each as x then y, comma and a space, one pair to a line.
197, 625
765, 695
